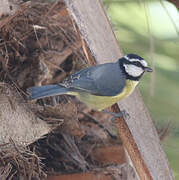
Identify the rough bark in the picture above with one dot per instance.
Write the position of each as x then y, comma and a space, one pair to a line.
17, 121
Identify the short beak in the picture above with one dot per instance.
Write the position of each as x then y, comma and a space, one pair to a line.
148, 69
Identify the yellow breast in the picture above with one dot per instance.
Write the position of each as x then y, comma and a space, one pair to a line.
101, 102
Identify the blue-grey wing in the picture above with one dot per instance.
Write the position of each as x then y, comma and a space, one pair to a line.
104, 80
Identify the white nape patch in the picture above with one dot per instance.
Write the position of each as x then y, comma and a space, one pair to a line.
133, 70
143, 62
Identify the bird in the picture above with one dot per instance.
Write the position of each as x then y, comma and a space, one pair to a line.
100, 86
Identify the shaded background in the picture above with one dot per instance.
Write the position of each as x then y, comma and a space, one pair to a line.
151, 29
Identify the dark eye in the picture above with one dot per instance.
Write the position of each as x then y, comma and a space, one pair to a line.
137, 63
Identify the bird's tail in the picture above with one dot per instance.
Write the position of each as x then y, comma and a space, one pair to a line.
38, 92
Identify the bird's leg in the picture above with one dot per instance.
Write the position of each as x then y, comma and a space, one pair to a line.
122, 113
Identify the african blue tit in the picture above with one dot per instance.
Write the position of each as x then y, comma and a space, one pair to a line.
99, 86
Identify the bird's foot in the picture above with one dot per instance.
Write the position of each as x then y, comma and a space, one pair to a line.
122, 113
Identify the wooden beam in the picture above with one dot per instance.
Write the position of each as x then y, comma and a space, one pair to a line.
138, 133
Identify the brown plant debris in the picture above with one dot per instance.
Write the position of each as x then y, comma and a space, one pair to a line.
39, 45
61, 153
18, 162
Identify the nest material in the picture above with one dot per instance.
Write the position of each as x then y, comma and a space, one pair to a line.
40, 44
17, 162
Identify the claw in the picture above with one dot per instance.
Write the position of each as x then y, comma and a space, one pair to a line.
122, 113
125, 114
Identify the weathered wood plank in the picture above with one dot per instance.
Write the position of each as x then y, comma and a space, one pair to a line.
138, 132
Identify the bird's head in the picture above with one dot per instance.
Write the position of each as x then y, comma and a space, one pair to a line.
134, 66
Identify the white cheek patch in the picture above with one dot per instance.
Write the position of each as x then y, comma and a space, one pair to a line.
133, 70
143, 62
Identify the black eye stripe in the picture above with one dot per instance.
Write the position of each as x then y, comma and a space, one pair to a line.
137, 63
